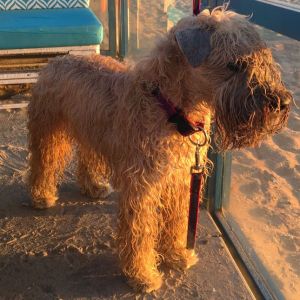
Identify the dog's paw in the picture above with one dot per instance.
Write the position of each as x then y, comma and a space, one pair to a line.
182, 260
43, 203
146, 286
97, 191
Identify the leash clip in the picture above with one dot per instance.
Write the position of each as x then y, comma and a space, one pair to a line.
196, 143
197, 168
197, 181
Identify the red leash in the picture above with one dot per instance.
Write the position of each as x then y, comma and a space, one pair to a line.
196, 7
186, 127
197, 180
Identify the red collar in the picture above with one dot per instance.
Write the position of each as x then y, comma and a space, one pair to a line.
176, 116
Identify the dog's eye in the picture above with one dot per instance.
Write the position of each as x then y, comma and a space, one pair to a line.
238, 66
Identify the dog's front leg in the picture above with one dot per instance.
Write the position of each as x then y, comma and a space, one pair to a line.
175, 201
137, 240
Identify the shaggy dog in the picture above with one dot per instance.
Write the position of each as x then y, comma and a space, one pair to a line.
215, 65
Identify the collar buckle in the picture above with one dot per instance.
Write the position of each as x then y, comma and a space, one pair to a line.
176, 116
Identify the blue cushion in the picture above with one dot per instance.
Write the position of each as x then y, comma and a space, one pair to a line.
41, 4
174, 14
41, 28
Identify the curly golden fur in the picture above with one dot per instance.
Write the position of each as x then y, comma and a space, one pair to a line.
107, 109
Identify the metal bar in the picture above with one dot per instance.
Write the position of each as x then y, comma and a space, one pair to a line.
219, 181
123, 42
209, 197
112, 25
219, 169
211, 4
274, 16
226, 184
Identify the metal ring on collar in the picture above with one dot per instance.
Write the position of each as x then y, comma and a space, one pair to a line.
197, 142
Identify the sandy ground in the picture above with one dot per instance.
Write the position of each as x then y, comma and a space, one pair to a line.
70, 239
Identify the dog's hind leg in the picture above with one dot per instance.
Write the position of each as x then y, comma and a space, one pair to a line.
92, 175
175, 202
50, 147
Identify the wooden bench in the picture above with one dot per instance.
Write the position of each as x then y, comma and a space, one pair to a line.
32, 31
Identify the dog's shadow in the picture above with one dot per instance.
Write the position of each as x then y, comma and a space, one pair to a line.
66, 251
68, 276
15, 202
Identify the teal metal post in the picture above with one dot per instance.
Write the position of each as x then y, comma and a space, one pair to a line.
124, 27
112, 25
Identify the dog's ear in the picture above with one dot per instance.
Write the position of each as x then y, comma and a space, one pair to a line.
194, 44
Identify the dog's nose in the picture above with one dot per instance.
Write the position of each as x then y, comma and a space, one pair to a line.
281, 101
285, 102
275, 104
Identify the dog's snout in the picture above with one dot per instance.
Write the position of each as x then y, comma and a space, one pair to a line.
277, 104
278, 100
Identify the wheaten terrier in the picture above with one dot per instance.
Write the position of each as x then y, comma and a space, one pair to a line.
120, 119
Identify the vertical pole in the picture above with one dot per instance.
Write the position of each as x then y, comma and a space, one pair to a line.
112, 26
124, 26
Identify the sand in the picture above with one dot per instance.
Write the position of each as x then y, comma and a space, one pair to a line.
264, 200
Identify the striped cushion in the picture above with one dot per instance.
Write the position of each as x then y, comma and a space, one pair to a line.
41, 4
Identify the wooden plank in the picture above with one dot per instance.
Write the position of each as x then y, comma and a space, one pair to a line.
18, 80
83, 53
19, 65
14, 105
14, 75
83, 49
18, 77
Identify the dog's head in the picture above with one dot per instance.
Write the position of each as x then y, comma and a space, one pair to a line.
247, 95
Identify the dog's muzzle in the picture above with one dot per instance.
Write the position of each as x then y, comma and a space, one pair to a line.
272, 100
